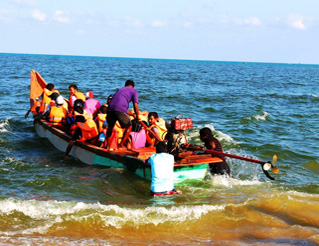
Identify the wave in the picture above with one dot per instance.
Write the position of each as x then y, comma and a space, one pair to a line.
263, 116
224, 181
4, 125
223, 137
40, 216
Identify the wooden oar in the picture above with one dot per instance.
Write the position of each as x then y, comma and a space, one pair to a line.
265, 165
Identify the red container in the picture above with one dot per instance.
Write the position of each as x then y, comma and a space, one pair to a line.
181, 124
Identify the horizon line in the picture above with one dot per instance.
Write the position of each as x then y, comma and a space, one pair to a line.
168, 59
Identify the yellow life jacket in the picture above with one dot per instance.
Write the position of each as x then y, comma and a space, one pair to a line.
89, 130
120, 130
100, 118
57, 116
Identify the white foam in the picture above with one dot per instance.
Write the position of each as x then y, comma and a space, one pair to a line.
34, 240
4, 124
259, 117
223, 180
302, 194
218, 134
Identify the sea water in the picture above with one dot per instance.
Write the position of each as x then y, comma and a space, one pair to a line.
256, 110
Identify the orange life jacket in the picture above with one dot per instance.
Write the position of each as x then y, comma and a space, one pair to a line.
46, 99
78, 95
57, 116
89, 130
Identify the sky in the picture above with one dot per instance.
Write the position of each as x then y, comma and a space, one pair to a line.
281, 31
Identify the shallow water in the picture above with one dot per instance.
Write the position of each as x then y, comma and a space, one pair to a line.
256, 110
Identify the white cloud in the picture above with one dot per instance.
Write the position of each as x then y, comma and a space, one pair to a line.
38, 15
59, 17
297, 22
158, 23
251, 21
133, 22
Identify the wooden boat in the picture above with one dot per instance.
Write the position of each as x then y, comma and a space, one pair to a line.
188, 165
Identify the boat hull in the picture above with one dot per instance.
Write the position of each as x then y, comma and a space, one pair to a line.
92, 155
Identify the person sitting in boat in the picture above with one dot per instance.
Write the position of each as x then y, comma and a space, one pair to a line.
118, 111
86, 131
75, 94
101, 117
92, 105
52, 97
58, 114
162, 167
78, 110
212, 143
158, 127
47, 92
138, 133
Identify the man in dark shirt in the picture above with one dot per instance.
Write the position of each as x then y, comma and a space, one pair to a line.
212, 143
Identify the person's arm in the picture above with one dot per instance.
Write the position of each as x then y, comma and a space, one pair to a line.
68, 149
136, 110
213, 145
27, 114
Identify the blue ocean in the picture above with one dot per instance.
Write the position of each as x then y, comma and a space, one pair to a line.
256, 110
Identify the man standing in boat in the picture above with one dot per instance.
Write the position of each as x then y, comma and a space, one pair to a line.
118, 111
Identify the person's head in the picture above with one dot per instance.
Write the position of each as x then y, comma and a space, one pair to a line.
205, 133
103, 109
50, 87
72, 89
129, 82
78, 106
161, 147
152, 116
59, 100
89, 94
54, 96
109, 98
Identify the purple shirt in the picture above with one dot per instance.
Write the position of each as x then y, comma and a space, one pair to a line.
122, 99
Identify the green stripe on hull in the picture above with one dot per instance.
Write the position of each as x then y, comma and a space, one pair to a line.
104, 161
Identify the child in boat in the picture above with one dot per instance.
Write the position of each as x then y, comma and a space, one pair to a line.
212, 143
162, 165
